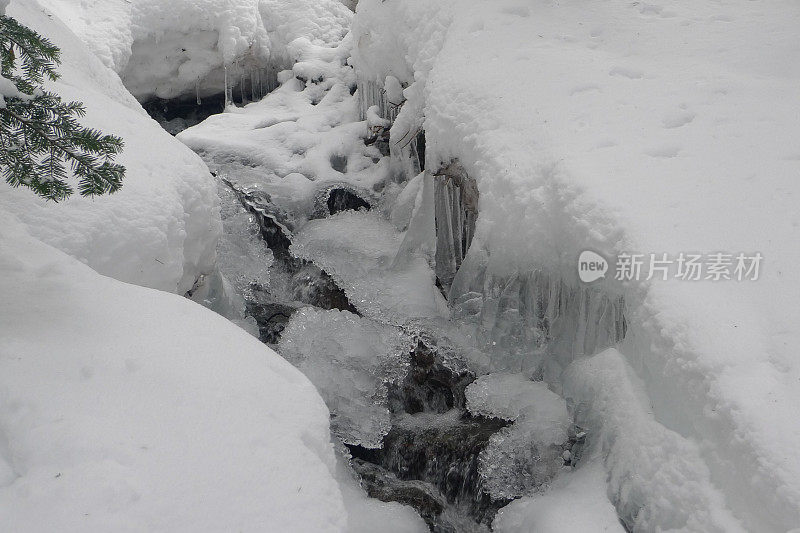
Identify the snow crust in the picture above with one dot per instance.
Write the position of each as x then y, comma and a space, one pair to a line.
639, 127
161, 229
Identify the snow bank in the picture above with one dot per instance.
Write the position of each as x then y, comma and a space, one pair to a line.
657, 478
129, 409
161, 229
177, 48
636, 127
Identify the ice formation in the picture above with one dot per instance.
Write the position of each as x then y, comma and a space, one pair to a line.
524, 456
350, 360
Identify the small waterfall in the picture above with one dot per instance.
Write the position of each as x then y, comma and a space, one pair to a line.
429, 458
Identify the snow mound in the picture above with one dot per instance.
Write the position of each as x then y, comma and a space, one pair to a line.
576, 501
161, 229
179, 48
129, 409
358, 249
657, 478
350, 360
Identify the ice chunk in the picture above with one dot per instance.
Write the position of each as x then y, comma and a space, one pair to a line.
527, 454
504, 395
358, 248
350, 360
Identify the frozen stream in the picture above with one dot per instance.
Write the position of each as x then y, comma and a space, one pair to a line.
348, 257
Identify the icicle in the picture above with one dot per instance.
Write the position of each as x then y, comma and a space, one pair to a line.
197, 91
227, 94
253, 91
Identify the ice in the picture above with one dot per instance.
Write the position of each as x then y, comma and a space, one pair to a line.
624, 127
242, 255
524, 456
350, 360
506, 396
358, 249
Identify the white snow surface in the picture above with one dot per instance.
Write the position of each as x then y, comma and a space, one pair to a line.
641, 127
130, 409
161, 229
575, 501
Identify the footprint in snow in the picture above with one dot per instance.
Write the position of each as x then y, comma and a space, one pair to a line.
626, 72
664, 152
518, 11
584, 88
677, 119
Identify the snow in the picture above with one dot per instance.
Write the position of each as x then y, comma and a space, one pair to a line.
126, 408
130, 409
174, 49
576, 501
657, 477
161, 229
504, 395
359, 250
350, 360
286, 144
639, 127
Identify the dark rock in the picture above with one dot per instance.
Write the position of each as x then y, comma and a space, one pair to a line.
313, 286
387, 487
430, 385
341, 199
271, 318
443, 452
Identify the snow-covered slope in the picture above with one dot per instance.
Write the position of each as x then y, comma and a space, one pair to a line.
161, 229
124, 408
641, 127
129, 409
